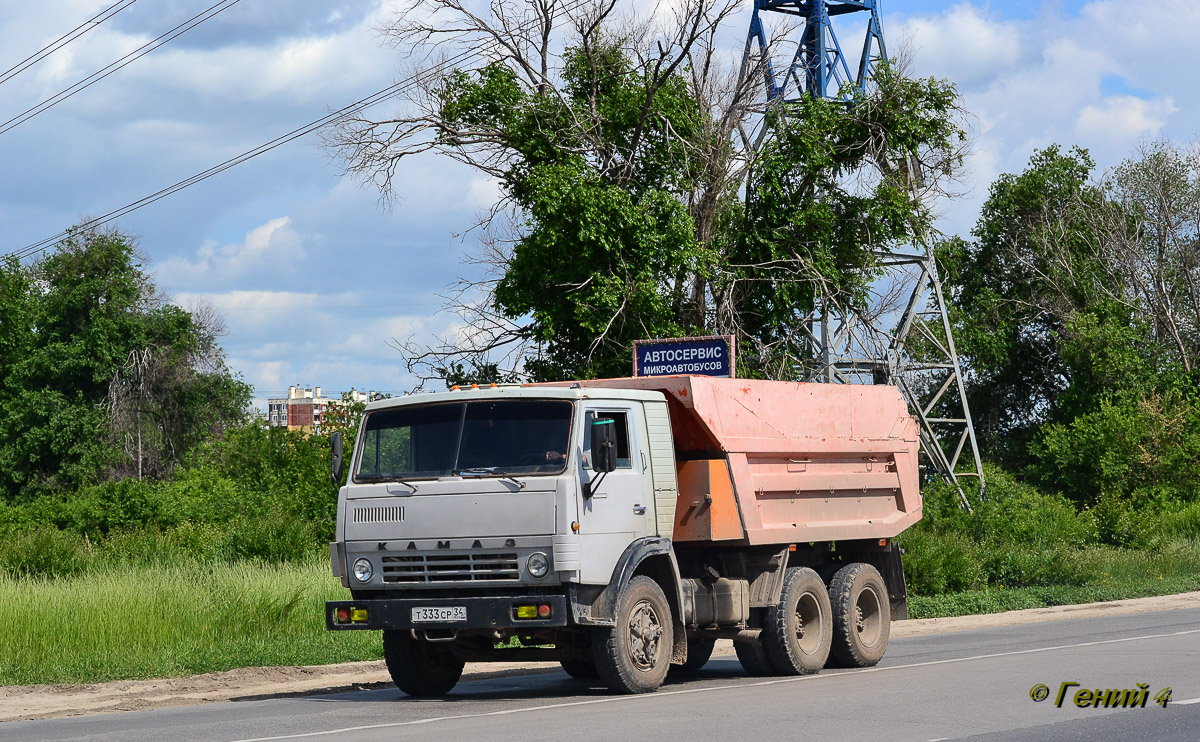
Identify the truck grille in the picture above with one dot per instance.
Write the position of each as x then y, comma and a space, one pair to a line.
437, 568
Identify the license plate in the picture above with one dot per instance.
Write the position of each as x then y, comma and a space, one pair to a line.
439, 614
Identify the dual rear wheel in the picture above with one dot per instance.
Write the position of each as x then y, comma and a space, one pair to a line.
846, 625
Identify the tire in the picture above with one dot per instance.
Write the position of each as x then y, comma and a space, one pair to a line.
700, 649
754, 659
862, 617
580, 669
420, 668
798, 632
634, 655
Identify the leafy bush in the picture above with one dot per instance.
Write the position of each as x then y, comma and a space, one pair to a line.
1017, 513
1010, 566
936, 563
1133, 443
280, 537
43, 550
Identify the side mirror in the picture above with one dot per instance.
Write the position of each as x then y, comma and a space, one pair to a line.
337, 460
604, 446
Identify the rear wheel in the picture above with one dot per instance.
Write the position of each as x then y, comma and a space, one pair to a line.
634, 655
799, 630
700, 649
862, 616
420, 668
754, 659
580, 669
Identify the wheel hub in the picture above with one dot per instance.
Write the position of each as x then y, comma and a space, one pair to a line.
645, 630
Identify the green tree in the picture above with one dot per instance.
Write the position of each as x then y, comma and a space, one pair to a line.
1016, 287
639, 199
69, 324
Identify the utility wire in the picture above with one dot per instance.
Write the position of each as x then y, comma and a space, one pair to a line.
218, 168
65, 39
100, 74
359, 105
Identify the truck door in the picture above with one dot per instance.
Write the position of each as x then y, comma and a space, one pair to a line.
621, 508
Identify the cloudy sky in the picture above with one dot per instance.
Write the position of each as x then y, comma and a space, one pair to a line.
314, 276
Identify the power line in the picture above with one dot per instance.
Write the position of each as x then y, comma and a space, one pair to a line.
104, 72
359, 105
65, 39
218, 168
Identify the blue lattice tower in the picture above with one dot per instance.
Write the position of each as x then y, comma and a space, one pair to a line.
819, 67
850, 345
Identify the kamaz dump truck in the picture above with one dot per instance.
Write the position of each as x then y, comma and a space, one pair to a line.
621, 526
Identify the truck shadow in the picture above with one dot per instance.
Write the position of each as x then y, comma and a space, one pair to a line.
536, 685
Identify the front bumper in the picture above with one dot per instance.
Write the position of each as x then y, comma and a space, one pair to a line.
491, 612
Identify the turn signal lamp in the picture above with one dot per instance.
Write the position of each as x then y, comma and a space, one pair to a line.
532, 611
358, 615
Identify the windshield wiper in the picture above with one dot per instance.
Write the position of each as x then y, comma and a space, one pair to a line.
489, 471
385, 478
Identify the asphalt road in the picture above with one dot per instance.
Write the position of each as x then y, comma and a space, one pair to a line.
966, 685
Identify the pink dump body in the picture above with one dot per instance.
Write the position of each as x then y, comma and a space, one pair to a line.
807, 462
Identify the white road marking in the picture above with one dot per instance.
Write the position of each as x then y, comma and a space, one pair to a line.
711, 689
1188, 702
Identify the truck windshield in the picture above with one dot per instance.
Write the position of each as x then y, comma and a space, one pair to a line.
483, 438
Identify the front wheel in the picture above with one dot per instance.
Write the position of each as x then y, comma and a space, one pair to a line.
634, 655
420, 668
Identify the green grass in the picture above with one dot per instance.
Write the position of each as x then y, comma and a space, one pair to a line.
168, 621
997, 600
1086, 575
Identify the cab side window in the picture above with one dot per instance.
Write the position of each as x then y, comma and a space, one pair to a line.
624, 460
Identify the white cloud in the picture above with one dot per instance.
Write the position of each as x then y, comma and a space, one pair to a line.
269, 250
1122, 119
1048, 80
963, 44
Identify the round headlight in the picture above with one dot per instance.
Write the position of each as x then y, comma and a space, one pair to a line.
362, 570
537, 564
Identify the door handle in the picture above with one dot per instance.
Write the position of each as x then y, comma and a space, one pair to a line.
639, 509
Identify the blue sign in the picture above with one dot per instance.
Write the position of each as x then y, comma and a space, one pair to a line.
710, 356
